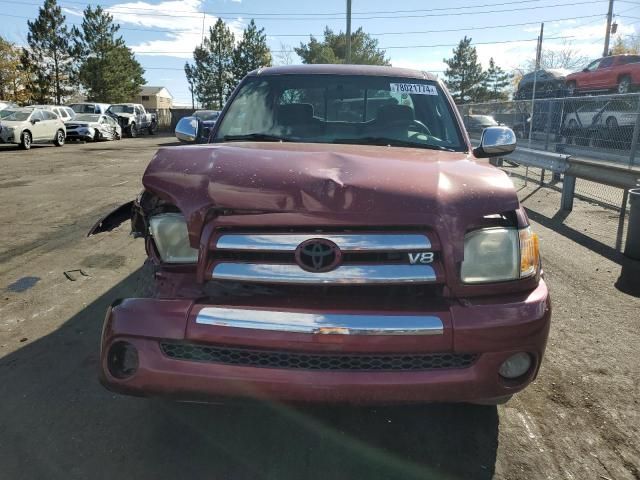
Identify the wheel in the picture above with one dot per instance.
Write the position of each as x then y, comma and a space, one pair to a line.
59, 140
624, 86
153, 128
96, 136
612, 122
571, 88
133, 130
26, 140
572, 129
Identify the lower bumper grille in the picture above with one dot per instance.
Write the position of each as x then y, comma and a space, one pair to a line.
306, 361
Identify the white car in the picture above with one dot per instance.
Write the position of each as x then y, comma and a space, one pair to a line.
93, 126
26, 126
65, 113
89, 107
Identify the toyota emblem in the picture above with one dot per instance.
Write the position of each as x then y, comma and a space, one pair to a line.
318, 255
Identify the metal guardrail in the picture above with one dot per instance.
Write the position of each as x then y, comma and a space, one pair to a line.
625, 177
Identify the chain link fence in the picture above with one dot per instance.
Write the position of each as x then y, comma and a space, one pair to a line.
598, 128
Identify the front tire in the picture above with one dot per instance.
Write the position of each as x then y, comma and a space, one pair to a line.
153, 128
26, 140
612, 122
59, 140
133, 130
96, 136
571, 88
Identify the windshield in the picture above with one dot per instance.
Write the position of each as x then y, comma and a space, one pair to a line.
18, 116
87, 118
342, 109
121, 109
206, 115
83, 108
6, 113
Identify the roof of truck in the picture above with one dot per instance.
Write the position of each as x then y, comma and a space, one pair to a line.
341, 69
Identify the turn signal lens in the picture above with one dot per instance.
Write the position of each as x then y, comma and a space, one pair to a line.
529, 253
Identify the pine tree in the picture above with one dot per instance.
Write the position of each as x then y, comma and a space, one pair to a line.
495, 82
49, 58
464, 76
333, 49
212, 72
251, 52
107, 69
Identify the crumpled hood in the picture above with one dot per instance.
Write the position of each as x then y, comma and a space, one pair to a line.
370, 184
126, 116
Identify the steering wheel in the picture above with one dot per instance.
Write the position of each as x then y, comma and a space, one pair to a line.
422, 128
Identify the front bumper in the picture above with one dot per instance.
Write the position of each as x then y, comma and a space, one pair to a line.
489, 329
7, 136
84, 135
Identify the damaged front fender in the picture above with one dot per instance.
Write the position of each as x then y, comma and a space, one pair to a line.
113, 219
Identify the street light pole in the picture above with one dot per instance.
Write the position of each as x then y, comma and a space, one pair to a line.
348, 55
607, 35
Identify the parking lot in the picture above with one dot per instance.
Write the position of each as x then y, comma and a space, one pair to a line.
579, 420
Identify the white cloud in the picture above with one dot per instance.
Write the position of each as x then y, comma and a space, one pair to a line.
182, 19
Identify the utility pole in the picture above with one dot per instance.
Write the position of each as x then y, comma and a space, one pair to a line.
607, 35
348, 56
535, 78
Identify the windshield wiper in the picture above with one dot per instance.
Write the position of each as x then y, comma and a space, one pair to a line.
384, 141
259, 137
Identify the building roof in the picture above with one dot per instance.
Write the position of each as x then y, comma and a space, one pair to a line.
342, 69
149, 90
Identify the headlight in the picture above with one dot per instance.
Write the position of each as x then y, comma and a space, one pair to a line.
169, 230
499, 254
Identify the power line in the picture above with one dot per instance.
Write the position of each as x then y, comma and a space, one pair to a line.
374, 34
303, 14
198, 14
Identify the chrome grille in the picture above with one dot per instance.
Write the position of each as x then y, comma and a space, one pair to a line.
316, 361
367, 258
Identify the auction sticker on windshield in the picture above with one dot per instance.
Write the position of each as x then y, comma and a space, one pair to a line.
418, 88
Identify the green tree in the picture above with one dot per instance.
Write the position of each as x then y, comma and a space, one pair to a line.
212, 71
107, 69
631, 44
49, 58
13, 79
333, 49
495, 82
251, 52
464, 75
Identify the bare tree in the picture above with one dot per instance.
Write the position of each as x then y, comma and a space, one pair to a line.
285, 55
567, 57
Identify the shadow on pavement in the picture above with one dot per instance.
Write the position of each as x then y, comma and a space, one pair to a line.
58, 422
557, 226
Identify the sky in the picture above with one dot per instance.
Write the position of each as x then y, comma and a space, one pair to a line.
414, 33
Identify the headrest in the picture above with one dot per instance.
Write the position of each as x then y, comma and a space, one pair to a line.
295, 114
392, 114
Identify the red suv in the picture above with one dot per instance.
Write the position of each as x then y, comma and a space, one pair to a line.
618, 72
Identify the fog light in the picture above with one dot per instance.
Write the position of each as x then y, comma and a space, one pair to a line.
122, 360
516, 365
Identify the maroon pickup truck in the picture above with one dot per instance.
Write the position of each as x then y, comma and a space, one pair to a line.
338, 240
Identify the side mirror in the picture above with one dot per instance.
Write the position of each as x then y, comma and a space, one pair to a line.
585, 70
495, 142
187, 130
34, 121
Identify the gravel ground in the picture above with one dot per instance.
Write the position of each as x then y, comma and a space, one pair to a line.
579, 420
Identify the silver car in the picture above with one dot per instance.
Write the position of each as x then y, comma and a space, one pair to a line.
26, 126
93, 126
